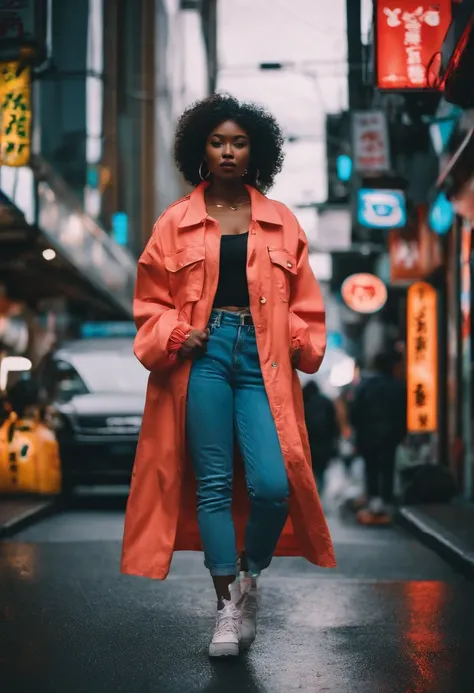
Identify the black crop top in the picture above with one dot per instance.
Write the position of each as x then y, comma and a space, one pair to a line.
232, 289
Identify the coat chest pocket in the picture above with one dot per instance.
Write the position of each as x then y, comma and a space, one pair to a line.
284, 267
185, 270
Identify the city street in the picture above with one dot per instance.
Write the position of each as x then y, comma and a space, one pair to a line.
394, 618
201, 203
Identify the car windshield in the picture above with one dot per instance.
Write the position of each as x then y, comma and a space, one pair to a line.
110, 371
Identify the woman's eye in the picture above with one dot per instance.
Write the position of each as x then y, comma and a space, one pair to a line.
215, 144
240, 145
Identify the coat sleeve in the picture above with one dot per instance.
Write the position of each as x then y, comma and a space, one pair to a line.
307, 315
157, 320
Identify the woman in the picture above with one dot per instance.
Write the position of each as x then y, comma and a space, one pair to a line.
226, 307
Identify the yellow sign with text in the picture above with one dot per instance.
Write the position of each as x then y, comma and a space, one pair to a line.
422, 359
15, 120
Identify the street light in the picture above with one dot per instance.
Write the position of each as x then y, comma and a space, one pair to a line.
272, 66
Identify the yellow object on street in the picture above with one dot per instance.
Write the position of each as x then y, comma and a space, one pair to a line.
29, 458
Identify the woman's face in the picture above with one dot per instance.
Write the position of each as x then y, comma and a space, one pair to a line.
228, 151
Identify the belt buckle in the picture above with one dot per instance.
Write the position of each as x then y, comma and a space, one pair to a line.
246, 319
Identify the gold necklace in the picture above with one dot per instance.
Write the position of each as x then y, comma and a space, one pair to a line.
234, 209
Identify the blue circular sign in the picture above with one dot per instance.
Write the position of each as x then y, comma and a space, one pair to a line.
441, 215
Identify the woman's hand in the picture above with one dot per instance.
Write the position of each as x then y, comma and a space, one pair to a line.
195, 344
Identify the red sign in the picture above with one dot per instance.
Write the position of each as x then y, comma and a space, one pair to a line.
466, 241
409, 35
364, 293
413, 254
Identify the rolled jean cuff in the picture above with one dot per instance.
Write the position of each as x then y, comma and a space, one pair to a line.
218, 570
223, 568
256, 568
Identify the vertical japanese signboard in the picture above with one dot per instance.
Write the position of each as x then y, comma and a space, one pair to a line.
370, 141
422, 359
15, 115
466, 241
409, 36
467, 383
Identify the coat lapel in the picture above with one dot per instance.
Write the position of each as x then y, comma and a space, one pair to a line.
263, 209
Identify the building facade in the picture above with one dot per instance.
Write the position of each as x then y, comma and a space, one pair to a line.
87, 166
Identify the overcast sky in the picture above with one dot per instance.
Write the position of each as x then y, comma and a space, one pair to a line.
293, 31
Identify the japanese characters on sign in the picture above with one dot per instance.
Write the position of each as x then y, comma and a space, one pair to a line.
414, 252
405, 258
364, 293
409, 34
370, 141
15, 115
422, 359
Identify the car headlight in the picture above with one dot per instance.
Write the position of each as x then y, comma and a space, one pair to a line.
55, 420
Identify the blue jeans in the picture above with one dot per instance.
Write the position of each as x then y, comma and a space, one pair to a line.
227, 396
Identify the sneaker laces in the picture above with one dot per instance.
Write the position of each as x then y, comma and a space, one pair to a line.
249, 605
376, 506
249, 601
228, 620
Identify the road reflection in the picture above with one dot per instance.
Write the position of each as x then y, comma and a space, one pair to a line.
424, 643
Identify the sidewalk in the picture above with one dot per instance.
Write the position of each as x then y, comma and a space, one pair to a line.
18, 513
447, 529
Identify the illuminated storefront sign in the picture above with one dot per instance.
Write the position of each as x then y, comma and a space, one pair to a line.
422, 359
409, 35
15, 120
381, 209
364, 293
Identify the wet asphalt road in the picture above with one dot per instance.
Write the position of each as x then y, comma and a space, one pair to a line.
393, 618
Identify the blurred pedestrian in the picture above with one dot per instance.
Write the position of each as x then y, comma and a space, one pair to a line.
323, 429
227, 307
378, 414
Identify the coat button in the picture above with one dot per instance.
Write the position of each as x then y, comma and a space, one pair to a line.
289, 264
263, 300
274, 365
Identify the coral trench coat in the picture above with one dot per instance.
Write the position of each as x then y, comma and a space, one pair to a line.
176, 284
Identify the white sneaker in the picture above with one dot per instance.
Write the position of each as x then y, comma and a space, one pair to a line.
376, 506
248, 609
225, 641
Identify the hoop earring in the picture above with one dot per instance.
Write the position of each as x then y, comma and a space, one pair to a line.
257, 176
200, 172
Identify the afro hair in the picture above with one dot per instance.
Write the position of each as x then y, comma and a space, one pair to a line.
202, 117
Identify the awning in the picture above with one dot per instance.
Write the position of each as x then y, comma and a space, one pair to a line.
37, 212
